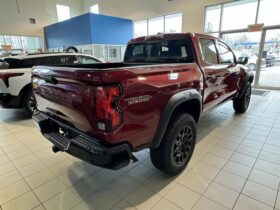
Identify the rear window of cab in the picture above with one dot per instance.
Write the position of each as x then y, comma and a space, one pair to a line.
177, 50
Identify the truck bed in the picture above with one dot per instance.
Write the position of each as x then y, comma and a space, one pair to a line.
69, 93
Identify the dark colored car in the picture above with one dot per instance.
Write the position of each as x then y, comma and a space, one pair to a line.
103, 113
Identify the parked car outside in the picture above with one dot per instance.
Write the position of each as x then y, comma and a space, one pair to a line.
252, 58
270, 59
15, 76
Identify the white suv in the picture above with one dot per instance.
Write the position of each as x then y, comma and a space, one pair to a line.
15, 76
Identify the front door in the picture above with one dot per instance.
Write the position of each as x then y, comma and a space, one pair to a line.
220, 72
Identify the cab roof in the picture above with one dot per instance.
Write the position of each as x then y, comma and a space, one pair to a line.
168, 36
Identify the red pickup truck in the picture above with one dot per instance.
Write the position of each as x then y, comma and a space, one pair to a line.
103, 113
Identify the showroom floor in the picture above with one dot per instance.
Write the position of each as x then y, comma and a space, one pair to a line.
236, 165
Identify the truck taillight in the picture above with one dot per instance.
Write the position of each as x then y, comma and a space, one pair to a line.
5, 77
108, 114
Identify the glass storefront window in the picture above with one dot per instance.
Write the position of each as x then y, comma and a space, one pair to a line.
244, 41
245, 44
269, 12
173, 23
270, 69
236, 16
94, 9
63, 12
212, 18
22, 43
140, 28
28, 42
239, 14
2, 41
156, 25
213, 34
16, 43
164, 24
8, 40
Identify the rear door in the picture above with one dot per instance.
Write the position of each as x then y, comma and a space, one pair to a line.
216, 65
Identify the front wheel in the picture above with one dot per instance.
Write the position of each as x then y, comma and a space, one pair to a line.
241, 105
177, 146
29, 103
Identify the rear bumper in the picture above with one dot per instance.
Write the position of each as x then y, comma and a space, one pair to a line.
82, 146
9, 101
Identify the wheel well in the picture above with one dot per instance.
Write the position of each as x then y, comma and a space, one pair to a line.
24, 91
192, 107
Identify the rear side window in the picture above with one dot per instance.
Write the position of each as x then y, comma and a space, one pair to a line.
64, 60
43, 61
209, 51
86, 60
160, 51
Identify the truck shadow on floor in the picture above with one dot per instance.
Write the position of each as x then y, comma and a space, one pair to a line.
138, 185
15, 117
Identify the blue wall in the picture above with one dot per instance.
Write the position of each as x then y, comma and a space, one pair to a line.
110, 30
89, 29
75, 31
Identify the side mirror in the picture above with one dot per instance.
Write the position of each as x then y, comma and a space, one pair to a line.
242, 60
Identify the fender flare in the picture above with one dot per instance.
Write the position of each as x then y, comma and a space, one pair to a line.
248, 78
172, 104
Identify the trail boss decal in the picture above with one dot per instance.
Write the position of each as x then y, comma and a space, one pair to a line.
138, 99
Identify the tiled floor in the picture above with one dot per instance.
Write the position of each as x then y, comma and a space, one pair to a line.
236, 165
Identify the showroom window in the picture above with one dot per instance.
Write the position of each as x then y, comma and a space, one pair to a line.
237, 15
246, 10
94, 9
22, 43
269, 12
63, 12
163, 24
212, 18
140, 28
173, 23
156, 25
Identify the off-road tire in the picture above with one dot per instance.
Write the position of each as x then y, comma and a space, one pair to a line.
29, 103
241, 104
179, 138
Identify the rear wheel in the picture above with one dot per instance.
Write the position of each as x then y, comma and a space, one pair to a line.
241, 105
29, 103
177, 146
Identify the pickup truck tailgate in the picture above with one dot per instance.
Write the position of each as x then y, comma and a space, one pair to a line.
66, 94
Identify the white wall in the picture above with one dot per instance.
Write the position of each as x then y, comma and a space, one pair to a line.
16, 22
193, 10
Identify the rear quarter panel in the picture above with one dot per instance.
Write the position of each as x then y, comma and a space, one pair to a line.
156, 85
